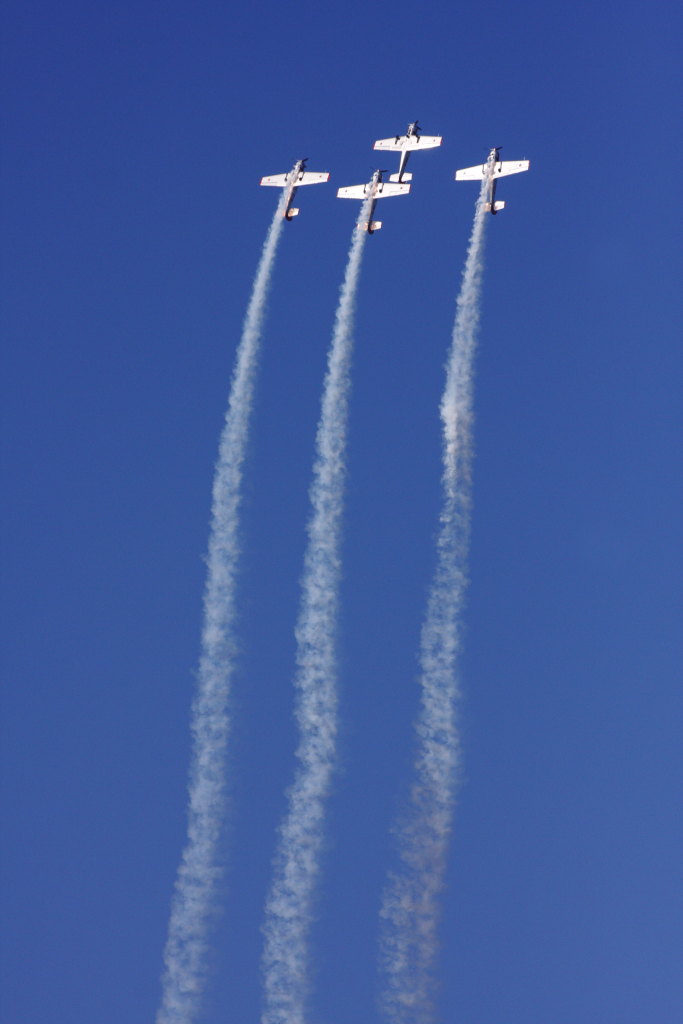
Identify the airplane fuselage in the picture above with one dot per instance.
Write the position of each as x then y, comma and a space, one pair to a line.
412, 131
405, 156
493, 181
296, 174
374, 186
492, 194
288, 215
495, 162
370, 229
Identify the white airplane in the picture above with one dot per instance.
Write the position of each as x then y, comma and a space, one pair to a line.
407, 144
375, 189
500, 169
292, 180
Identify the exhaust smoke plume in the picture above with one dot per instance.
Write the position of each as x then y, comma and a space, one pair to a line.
200, 872
410, 908
289, 906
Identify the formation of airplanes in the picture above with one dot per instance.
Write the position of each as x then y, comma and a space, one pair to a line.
397, 184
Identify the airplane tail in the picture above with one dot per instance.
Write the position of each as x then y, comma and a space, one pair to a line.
395, 177
292, 212
374, 225
498, 205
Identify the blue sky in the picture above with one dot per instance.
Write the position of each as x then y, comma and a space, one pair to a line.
132, 220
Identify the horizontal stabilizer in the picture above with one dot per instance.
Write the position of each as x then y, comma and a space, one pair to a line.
395, 177
498, 205
409, 142
374, 225
292, 212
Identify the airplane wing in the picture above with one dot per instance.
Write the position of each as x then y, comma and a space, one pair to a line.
389, 189
280, 180
352, 192
312, 178
504, 167
470, 173
500, 169
384, 189
409, 142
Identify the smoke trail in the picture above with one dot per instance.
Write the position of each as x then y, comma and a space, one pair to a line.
296, 867
410, 910
200, 870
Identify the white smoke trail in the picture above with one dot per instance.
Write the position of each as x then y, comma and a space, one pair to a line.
410, 909
200, 871
296, 868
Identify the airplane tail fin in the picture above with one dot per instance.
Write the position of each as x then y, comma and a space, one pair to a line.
498, 205
395, 177
374, 225
292, 212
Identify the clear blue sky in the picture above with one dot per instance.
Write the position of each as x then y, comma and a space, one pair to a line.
134, 139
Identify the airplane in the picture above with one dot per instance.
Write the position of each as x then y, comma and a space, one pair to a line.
292, 180
500, 169
407, 144
376, 189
